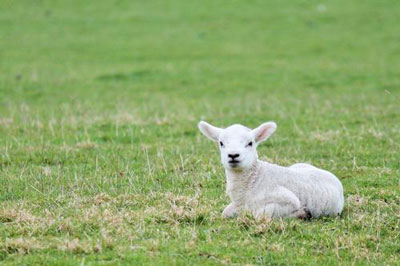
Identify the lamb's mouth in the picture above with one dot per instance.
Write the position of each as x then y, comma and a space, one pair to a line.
233, 163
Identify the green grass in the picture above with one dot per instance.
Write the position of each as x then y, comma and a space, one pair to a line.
101, 160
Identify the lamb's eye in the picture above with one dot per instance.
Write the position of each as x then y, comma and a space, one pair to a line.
250, 144
221, 144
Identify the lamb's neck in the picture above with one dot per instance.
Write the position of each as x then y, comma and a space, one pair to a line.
240, 182
241, 175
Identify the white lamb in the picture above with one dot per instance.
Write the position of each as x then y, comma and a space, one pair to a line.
266, 189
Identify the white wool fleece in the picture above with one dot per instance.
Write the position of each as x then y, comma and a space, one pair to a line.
266, 189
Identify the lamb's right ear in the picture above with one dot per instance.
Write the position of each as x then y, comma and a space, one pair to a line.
209, 131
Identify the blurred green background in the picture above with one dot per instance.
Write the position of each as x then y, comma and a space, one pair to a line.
102, 98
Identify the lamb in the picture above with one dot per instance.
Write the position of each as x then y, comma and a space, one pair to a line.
265, 189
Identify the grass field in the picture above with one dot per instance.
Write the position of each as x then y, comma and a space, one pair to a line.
101, 160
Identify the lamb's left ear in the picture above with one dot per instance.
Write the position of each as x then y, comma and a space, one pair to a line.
209, 131
264, 131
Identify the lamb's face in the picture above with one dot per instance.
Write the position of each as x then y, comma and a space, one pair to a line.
238, 143
238, 147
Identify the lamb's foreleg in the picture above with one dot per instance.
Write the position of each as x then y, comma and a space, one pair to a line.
281, 202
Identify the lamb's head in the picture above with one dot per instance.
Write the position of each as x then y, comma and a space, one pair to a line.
237, 143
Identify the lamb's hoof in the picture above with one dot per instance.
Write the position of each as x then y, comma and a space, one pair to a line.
304, 214
225, 215
229, 212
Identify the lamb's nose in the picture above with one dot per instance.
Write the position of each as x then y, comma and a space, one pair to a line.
233, 156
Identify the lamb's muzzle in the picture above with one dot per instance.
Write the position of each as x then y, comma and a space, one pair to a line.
300, 190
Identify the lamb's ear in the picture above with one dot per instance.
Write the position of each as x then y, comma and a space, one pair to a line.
264, 131
209, 131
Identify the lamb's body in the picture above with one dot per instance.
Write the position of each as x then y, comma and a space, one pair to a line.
262, 188
276, 191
